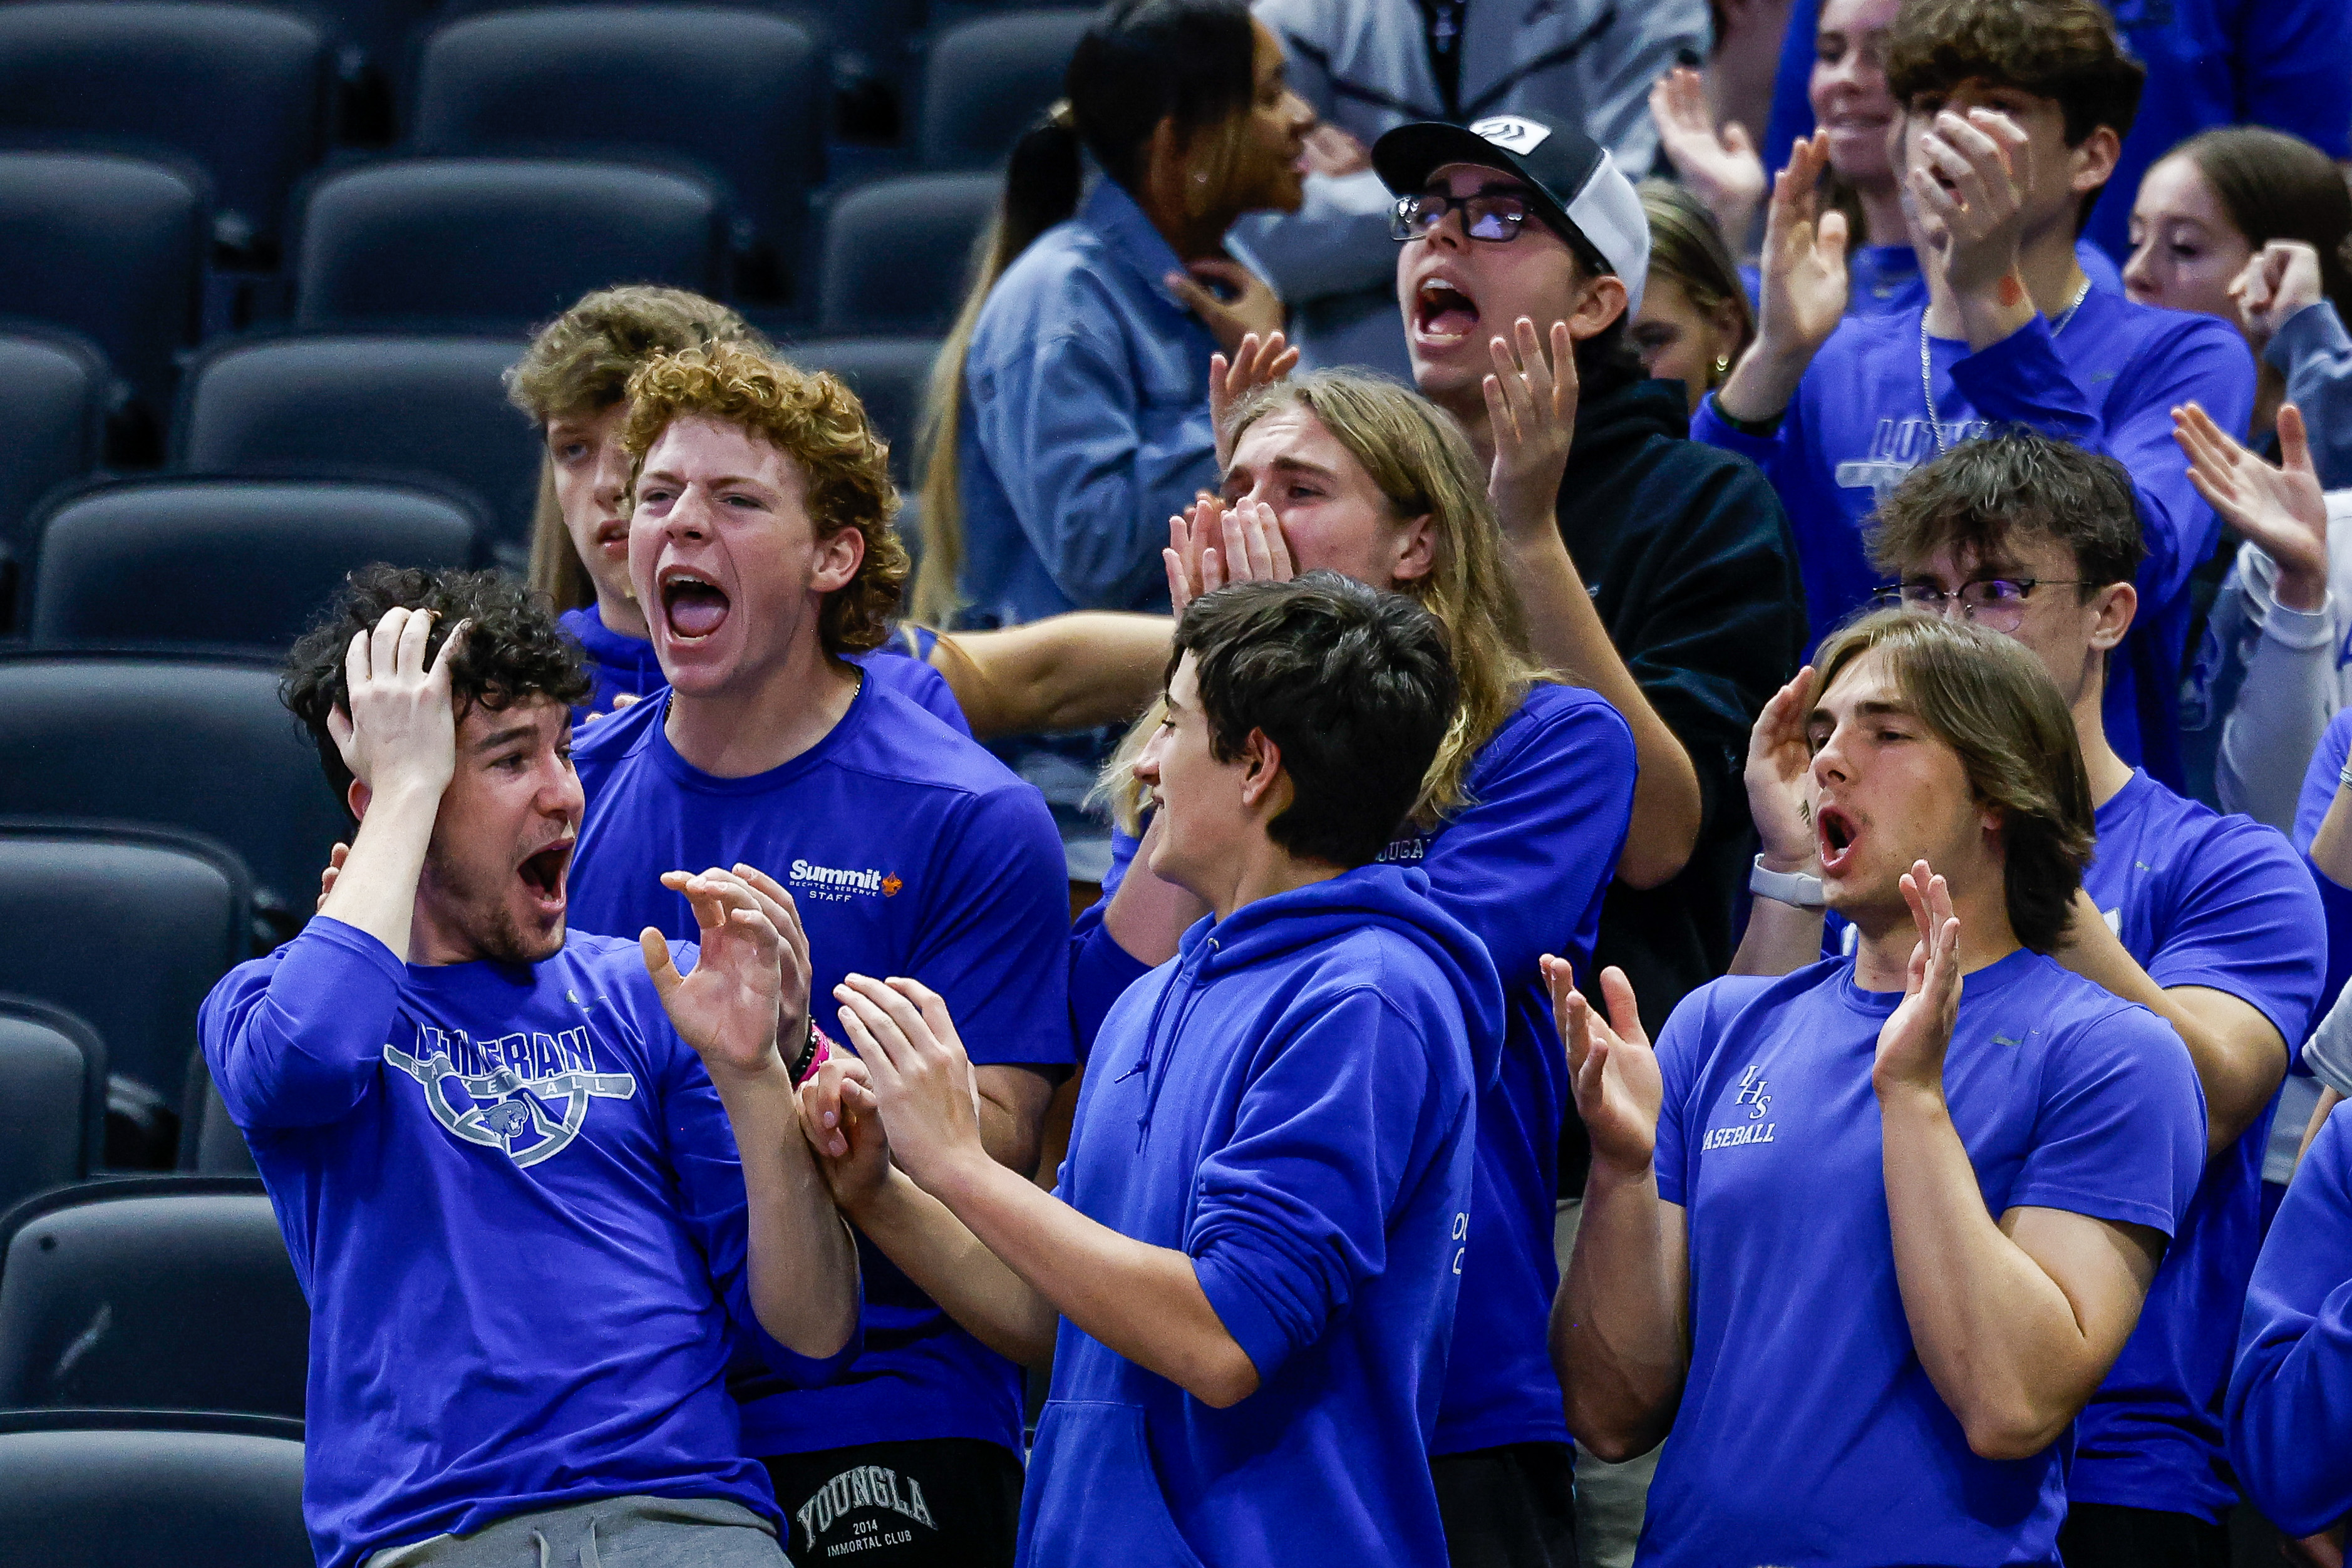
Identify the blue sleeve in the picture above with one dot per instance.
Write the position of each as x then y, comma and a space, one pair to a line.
996, 932
1792, 102
2320, 780
1101, 970
2315, 356
2248, 922
2021, 380
1062, 427
2120, 1132
2295, 58
1292, 1213
297, 1040
1531, 853
2288, 1413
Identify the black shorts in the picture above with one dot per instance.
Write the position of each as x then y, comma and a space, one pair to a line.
938, 1502
1509, 1507
2105, 1535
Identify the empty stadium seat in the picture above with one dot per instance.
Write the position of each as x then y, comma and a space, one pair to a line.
210, 1143
176, 909
246, 562
889, 375
54, 391
241, 91
52, 1097
367, 407
201, 745
152, 1489
989, 79
111, 247
158, 1292
497, 245
898, 253
738, 94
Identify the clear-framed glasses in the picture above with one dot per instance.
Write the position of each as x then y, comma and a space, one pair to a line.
1997, 604
1493, 216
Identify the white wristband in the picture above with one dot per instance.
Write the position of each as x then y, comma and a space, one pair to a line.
1792, 887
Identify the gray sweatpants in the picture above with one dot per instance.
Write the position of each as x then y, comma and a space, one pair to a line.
605, 1532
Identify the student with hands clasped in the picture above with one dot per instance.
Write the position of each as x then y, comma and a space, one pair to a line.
529, 1177
1867, 1237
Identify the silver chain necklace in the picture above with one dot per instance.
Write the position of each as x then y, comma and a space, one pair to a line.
1926, 368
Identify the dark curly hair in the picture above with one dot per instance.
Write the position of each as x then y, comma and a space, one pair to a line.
818, 423
513, 651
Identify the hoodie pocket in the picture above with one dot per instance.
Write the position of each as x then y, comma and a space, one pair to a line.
1101, 1500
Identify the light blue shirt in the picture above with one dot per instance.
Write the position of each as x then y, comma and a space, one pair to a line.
1086, 421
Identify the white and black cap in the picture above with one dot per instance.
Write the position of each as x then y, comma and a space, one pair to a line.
1577, 187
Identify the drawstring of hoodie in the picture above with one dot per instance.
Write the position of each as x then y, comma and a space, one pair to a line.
1153, 1082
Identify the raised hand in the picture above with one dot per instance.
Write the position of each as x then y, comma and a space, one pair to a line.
1531, 407
726, 1010
400, 728
1618, 1089
2280, 508
1720, 168
1779, 778
1803, 289
1214, 545
923, 1085
2280, 279
842, 1124
1974, 230
1257, 361
1912, 1042
1254, 308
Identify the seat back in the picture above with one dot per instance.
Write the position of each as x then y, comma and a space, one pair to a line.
141, 1494
496, 244
177, 914
245, 562
210, 1143
52, 397
240, 91
201, 746
889, 376
382, 407
899, 254
52, 1097
990, 78
170, 1292
111, 247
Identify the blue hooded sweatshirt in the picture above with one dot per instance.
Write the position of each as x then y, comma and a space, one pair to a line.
1291, 1102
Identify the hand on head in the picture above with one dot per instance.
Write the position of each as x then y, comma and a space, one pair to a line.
1779, 775
398, 727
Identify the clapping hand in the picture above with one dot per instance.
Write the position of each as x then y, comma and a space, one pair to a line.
750, 982
1720, 168
2280, 508
1974, 230
923, 1087
1914, 1040
1257, 361
843, 1123
1212, 545
1779, 775
1618, 1089
1532, 408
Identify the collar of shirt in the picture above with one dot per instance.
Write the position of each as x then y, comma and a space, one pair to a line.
1130, 239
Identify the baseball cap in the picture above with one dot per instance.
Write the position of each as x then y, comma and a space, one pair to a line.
1576, 187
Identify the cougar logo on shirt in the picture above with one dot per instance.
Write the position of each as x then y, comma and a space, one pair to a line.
833, 883
1755, 1130
525, 1095
872, 1487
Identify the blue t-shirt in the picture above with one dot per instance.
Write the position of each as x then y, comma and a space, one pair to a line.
620, 663
2320, 784
1885, 280
2289, 1432
1524, 866
2108, 383
514, 1203
2198, 899
909, 850
1288, 1102
1809, 1431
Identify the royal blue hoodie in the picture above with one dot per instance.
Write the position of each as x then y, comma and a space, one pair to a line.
1290, 1101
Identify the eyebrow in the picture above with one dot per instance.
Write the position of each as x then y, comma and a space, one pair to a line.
506, 737
1866, 710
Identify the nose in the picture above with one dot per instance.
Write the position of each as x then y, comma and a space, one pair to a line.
1146, 766
562, 795
1448, 231
2138, 274
1303, 117
611, 477
690, 514
1830, 764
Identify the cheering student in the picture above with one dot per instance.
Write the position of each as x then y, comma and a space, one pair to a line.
759, 541
1867, 1237
1254, 1254
528, 1177
2013, 110
2209, 922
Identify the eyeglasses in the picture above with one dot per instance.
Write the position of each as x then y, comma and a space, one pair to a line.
1997, 603
1494, 216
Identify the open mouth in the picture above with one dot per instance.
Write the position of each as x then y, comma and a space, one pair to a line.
1835, 833
612, 536
693, 605
1442, 314
544, 872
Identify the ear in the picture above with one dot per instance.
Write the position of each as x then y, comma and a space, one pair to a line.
1416, 549
2093, 164
1602, 301
2114, 605
357, 798
838, 556
1724, 320
1261, 762
1163, 162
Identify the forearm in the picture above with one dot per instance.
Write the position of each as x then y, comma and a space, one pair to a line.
1620, 1336
1071, 671
2282, 706
1013, 1102
1764, 383
1147, 916
1989, 315
1996, 1335
971, 1284
1780, 939
376, 889
802, 1266
2330, 1098
1567, 635
1145, 1302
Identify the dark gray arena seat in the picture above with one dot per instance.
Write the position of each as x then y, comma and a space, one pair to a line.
888, 374
160, 1292
989, 79
151, 1489
899, 254
52, 1097
54, 391
497, 244
240, 91
238, 562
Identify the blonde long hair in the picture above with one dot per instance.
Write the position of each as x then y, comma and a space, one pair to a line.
1422, 464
